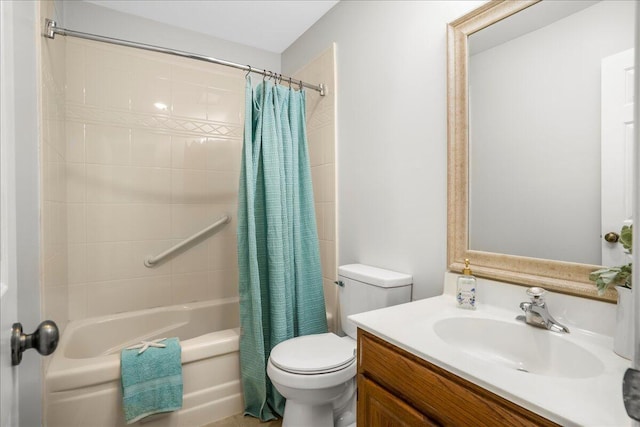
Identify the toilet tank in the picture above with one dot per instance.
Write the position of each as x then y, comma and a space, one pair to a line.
366, 288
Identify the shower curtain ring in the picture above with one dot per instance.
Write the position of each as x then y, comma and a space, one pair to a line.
289, 82
248, 72
264, 74
300, 84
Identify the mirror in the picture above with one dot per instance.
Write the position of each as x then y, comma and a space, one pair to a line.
524, 188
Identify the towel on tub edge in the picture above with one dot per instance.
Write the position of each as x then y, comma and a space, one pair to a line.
151, 380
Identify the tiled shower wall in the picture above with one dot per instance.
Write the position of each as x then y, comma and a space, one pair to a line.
153, 156
321, 135
53, 177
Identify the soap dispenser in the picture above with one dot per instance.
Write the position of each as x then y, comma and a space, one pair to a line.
466, 289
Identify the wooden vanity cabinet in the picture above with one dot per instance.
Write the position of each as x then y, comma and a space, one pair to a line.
397, 388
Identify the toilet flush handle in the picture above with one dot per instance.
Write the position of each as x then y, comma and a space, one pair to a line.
339, 283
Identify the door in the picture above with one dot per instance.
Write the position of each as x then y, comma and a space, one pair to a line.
20, 387
617, 151
379, 408
8, 290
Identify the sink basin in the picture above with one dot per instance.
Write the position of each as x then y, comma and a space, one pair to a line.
519, 346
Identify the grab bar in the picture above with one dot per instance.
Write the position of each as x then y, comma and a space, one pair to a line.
151, 261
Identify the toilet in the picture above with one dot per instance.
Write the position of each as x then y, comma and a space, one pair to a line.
317, 373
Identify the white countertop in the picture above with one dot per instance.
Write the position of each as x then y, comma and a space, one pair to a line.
593, 401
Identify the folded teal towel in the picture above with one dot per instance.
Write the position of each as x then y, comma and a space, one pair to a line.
151, 381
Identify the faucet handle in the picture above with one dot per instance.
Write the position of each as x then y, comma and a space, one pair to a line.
536, 294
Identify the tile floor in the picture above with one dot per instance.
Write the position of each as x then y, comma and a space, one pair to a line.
242, 421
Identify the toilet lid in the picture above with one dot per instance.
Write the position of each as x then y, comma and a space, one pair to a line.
313, 354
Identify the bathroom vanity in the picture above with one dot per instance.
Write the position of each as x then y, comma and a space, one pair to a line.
397, 388
430, 363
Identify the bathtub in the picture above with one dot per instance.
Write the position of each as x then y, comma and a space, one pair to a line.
82, 381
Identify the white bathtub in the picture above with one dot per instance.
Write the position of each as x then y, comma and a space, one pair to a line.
83, 379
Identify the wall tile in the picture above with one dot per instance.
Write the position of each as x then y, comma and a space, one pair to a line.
189, 186
76, 223
188, 219
106, 86
54, 272
222, 251
189, 153
314, 143
329, 216
225, 106
77, 302
189, 100
53, 196
107, 261
109, 223
224, 154
75, 142
108, 184
316, 182
139, 178
56, 304
191, 75
128, 295
190, 287
150, 149
321, 134
224, 283
329, 183
77, 263
75, 64
222, 187
108, 145
320, 220
150, 65
194, 259
150, 185
76, 183
327, 139
151, 94
142, 249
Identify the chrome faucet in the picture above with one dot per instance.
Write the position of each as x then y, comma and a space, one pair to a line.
536, 313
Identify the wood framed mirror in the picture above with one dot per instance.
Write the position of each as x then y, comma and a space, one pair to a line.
501, 263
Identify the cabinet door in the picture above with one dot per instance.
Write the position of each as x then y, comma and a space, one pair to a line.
443, 397
379, 408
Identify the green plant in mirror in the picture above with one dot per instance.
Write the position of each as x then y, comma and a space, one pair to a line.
616, 276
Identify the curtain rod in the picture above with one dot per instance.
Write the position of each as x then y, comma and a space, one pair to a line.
51, 29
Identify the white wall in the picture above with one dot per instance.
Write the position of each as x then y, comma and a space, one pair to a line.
90, 18
535, 116
391, 131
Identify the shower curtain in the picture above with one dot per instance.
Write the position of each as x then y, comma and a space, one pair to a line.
281, 293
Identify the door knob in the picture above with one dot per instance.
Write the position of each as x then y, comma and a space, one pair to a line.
611, 237
44, 340
631, 393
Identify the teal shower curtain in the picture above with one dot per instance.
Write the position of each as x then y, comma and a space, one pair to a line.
281, 293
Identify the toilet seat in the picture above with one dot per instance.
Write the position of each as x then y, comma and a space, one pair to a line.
313, 354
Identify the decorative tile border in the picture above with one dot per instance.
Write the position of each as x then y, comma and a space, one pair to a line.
156, 122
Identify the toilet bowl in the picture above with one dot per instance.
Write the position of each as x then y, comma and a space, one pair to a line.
316, 373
